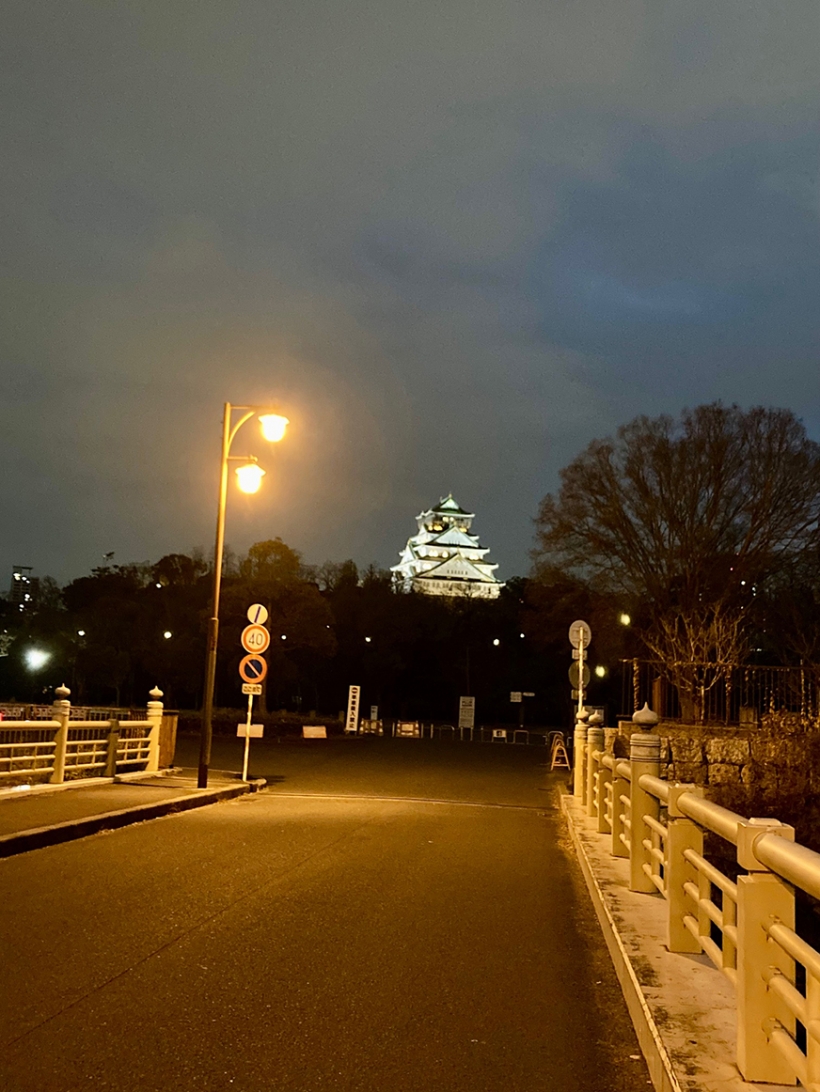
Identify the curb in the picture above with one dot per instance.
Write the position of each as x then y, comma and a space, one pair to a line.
23, 842
649, 1037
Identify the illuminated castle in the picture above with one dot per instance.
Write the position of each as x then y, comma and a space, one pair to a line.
443, 558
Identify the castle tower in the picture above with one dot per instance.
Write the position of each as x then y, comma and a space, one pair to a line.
443, 558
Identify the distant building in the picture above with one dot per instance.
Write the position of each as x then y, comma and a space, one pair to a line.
443, 558
23, 587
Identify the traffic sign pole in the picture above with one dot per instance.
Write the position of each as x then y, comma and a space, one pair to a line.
247, 738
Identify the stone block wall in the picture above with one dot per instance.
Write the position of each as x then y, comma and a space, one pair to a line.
771, 769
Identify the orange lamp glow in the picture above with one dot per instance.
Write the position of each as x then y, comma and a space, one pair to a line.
249, 477
273, 426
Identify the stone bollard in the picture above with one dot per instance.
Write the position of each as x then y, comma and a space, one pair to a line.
154, 716
645, 758
595, 742
579, 741
61, 713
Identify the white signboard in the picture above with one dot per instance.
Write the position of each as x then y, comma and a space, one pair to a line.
314, 731
515, 695
250, 731
352, 720
466, 712
374, 712
252, 688
257, 614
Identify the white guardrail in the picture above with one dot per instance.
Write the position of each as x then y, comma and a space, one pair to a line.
60, 748
746, 927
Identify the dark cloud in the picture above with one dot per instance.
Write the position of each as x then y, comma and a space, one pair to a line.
456, 241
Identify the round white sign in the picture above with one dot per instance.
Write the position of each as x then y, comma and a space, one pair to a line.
576, 631
257, 614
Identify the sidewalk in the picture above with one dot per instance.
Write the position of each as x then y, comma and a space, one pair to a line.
44, 815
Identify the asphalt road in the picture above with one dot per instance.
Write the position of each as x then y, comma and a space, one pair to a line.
390, 915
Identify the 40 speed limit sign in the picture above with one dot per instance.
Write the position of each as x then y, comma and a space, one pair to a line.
255, 638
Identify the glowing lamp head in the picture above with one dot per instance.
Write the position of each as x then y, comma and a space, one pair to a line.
273, 426
249, 477
600, 671
624, 619
36, 658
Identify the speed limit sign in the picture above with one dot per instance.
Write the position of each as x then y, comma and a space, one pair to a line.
255, 638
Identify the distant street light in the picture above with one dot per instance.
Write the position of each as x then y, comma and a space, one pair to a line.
496, 642
624, 619
167, 634
600, 671
36, 658
273, 429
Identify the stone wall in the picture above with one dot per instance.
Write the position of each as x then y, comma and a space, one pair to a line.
772, 769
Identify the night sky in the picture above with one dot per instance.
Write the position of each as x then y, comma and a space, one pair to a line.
455, 241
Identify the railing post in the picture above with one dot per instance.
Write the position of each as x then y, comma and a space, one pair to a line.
683, 834
620, 787
761, 896
113, 744
62, 713
645, 758
595, 742
154, 716
579, 742
604, 779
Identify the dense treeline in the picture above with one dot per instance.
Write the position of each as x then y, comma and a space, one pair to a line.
704, 529
331, 626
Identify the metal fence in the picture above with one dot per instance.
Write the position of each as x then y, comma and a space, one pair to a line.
720, 694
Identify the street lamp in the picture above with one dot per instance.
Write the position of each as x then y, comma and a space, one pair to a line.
249, 478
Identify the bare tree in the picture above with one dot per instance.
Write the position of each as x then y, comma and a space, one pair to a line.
688, 518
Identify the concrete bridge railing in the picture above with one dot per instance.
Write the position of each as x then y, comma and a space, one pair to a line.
57, 747
746, 926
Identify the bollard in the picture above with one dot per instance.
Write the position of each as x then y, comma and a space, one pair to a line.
645, 758
113, 745
594, 744
761, 898
62, 713
579, 741
154, 716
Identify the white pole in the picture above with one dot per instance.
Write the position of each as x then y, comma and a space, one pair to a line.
580, 670
247, 739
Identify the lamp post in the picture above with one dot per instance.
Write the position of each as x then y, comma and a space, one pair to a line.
249, 477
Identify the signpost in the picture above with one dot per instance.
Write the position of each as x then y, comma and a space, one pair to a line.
466, 713
517, 696
352, 722
253, 669
580, 637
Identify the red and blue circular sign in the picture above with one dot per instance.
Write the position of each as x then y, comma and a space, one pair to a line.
253, 668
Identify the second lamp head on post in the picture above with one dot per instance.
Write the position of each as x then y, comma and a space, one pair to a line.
249, 476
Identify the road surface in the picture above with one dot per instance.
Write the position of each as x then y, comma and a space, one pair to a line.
399, 916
